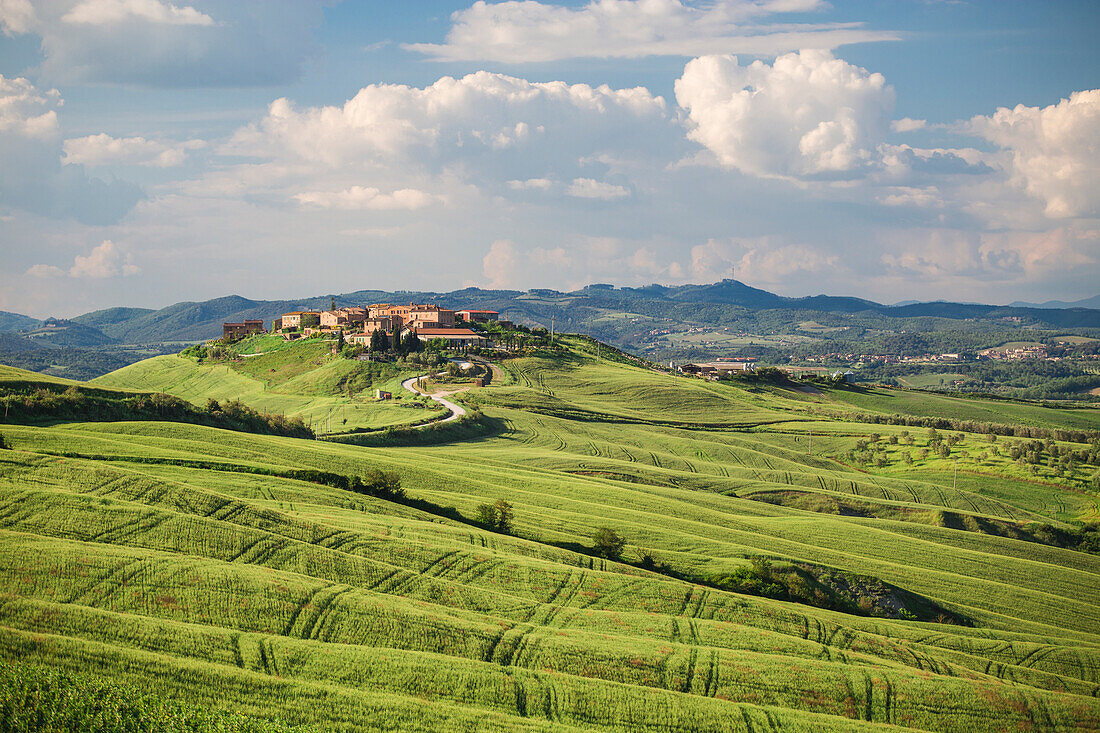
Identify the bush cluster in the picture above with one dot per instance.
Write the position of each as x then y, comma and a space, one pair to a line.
497, 517
55, 402
975, 426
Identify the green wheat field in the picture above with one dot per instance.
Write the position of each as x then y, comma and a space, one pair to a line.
795, 559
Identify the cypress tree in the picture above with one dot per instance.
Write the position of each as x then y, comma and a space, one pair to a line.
378, 341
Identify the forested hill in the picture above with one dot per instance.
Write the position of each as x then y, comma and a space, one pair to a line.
580, 310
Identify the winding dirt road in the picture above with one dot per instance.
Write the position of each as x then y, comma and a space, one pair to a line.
457, 411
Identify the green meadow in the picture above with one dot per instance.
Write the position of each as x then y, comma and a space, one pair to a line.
295, 379
784, 567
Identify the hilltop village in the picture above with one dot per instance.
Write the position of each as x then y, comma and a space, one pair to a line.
360, 325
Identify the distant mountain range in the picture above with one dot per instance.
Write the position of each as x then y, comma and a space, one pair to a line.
1093, 302
16, 322
197, 321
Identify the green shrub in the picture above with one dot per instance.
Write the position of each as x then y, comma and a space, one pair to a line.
606, 542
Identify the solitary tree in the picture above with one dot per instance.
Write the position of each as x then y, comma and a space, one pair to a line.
497, 517
505, 515
487, 516
607, 543
395, 341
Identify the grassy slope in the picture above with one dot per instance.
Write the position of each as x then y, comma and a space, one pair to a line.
271, 596
9, 374
906, 402
298, 382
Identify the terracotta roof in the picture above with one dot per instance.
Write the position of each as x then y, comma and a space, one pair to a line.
443, 332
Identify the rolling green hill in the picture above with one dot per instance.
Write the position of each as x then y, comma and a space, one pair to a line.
764, 584
296, 379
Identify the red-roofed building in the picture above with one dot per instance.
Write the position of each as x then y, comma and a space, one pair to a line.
234, 331
453, 336
476, 316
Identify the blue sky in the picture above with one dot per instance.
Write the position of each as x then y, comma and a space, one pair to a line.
153, 151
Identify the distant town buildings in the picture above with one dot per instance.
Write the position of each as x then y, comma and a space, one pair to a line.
452, 336
1024, 352
235, 331
414, 315
474, 316
718, 368
296, 319
429, 322
343, 317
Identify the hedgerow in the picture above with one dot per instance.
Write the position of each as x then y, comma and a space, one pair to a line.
52, 403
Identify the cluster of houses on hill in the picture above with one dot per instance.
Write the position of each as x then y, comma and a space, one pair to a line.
358, 325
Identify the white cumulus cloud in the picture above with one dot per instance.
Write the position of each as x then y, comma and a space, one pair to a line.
807, 115
527, 31
1055, 151
537, 184
449, 119
105, 260
27, 111
589, 188
908, 124
361, 197
106, 12
500, 264
32, 176
45, 271
103, 149
16, 16
763, 261
157, 43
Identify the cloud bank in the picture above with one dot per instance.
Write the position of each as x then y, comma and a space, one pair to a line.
535, 32
159, 44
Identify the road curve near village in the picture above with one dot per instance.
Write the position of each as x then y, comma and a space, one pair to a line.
457, 411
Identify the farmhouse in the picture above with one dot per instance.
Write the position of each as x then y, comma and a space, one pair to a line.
297, 319
715, 369
430, 317
377, 324
234, 331
343, 317
806, 371
414, 315
477, 316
